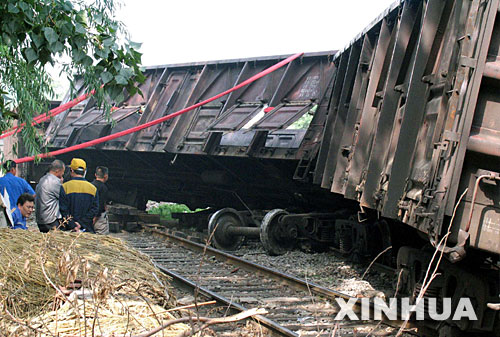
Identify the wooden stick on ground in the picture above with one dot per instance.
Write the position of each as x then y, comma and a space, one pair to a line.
208, 321
189, 306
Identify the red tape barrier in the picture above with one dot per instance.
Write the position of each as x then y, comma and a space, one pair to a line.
162, 119
43, 117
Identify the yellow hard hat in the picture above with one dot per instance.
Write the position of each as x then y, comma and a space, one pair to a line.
77, 163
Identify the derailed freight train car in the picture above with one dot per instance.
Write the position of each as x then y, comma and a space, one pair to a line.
413, 135
414, 120
241, 149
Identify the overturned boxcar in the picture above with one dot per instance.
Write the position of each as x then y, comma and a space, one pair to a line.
215, 155
393, 141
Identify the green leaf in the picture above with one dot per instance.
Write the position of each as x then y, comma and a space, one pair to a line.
67, 29
126, 72
67, 6
98, 18
140, 78
81, 18
37, 39
120, 53
102, 53
120, 97
56, 47
78, 55
7, 39
80, 29
121, 80
43, 11
12, 27
117, 65
106, 77
13, 9
29, 17
87, 61
108, 42
50, 34
24, 6
131, 90
79, 41
44, 56
135, 45
113, 91
31, 55
137, 56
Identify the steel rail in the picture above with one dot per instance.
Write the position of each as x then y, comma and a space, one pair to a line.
269, 272
268, 323
255, 267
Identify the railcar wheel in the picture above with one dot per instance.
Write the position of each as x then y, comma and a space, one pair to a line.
273, 233
218, 226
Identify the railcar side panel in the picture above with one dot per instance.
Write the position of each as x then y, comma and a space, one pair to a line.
401, 141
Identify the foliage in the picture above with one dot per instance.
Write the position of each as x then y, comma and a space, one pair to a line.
301, 123
165, 210
81, 35
304, 121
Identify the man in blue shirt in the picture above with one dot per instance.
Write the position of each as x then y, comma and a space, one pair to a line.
15, 186
25, 206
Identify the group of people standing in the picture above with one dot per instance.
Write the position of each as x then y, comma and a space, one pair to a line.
75, 205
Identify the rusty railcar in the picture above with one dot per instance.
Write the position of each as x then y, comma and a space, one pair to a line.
413, 135
215, 155
414, 119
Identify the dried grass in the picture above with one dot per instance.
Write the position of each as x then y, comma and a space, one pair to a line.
38, 270
117, 316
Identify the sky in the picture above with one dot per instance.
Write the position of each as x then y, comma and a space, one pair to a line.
181, 31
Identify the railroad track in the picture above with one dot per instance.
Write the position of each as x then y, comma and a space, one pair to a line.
295, 307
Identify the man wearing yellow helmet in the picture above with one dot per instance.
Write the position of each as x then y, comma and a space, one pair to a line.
80, 200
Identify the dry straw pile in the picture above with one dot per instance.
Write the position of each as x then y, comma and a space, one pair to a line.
78, 284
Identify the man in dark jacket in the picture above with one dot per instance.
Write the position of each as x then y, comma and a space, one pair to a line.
101, 223
80, 198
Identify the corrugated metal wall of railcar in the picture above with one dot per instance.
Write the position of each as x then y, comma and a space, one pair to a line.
218, 128
405, 94
185, 157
